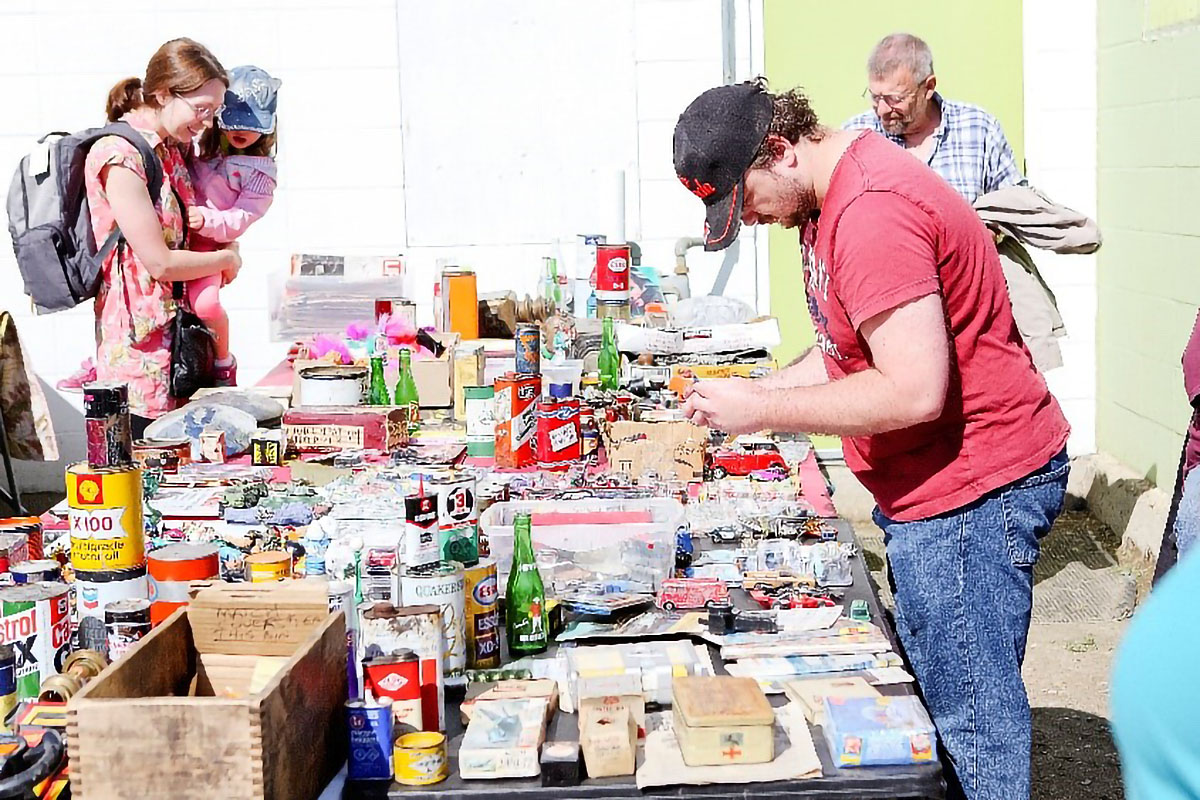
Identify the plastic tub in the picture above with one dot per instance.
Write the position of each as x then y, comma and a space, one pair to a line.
569, 371
590, 540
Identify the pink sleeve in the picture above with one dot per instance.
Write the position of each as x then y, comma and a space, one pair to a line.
884, 255
1191, 364
228, 224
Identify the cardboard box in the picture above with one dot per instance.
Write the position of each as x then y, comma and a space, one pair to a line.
609, 743
434, 376
607, 705
671, 446
810, 693
512, 690
503, 738
355, 427
154, 724
873, 731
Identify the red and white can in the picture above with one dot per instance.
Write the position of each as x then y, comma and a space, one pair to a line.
612, 271
398, 678
558, 441
516, 420
384, 630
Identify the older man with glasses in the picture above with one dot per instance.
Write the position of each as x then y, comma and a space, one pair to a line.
961, 142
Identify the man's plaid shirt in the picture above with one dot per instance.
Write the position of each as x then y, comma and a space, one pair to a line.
970, 151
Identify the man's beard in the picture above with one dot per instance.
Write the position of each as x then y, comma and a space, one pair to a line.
898, 126
805, 200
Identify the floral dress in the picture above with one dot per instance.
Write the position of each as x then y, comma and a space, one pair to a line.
134, 311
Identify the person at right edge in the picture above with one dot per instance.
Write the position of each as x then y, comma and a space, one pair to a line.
1154, 713
920, 368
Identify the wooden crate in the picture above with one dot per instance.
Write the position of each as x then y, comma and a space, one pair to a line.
137, 730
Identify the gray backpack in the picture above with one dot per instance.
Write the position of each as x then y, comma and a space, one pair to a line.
49, 221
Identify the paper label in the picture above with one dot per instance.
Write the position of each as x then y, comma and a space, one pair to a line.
101, 523
564, 437
325, 435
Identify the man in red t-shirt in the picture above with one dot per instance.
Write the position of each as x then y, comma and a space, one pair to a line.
919, 366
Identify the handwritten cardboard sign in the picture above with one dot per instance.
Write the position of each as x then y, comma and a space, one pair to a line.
675, 446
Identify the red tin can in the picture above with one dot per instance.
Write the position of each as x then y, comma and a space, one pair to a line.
612, 271
398, 678
558, 437
516, 420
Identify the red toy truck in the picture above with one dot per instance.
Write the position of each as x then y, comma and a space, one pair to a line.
691, 593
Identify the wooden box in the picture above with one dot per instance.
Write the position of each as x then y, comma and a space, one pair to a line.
149, 725
352, 427
722, 720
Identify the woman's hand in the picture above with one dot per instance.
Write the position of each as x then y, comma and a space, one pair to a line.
195, 219
233, 257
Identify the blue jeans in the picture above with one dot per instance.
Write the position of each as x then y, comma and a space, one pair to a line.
1187, 516
964, 591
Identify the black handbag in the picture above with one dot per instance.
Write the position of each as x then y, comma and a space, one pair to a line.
193, 350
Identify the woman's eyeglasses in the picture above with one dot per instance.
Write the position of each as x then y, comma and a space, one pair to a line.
202, 113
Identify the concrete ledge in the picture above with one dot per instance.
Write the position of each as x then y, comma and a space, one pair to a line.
1122, 499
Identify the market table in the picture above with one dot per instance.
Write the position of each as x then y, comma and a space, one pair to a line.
813, 483
923, 781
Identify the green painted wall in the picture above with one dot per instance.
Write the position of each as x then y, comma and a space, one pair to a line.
1149, 180
823, 47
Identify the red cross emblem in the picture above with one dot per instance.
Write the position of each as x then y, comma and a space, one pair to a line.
732, 753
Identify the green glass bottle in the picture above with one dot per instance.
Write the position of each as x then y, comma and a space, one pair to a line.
378, 392
525, 598
609, 362
406, 390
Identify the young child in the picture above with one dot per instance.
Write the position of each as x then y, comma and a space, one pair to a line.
233, 174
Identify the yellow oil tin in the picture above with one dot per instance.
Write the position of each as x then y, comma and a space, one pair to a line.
268, 566
105, 512
420, 758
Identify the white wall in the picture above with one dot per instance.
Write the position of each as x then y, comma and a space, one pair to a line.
478, 130
1060, 159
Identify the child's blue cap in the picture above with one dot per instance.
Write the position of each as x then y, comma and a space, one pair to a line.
250, 100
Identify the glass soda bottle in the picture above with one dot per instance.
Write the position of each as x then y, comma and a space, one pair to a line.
609, 361
525, 598
406, 390
378, 395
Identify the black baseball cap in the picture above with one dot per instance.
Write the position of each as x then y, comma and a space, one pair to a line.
716, 139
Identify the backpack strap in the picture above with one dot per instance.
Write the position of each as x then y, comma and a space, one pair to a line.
150, 161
